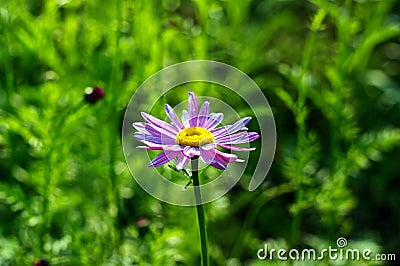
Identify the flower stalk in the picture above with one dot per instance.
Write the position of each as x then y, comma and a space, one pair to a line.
200, 212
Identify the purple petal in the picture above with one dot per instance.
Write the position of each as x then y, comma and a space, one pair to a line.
159, 123
192, 109
150, 147
233, 148
207, 156
251, 136
191, 151
233, 137
163, 158
185, 118
227, 157
139, 126
172, 147
172, 115
239, 125
238, 138
154, 139
192, 121
142, 136
152, 130
213, 121
159, 131
182, 161
203, 115
219, 164
217, 131
208, 146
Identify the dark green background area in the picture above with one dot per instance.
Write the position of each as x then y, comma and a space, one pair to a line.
329, 69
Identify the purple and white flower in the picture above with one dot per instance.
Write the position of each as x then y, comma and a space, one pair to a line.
196, 135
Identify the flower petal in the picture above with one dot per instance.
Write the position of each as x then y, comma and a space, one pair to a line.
153, 146
213, 121
233, 137
249, 137
207, 156
238, 138
163, 158
182, 161
234, 148
140, 126
152, 131
208, 146
175, 147
253, 136
159, 123
185, 119
191, 151
192, 121
154, 139
227, 157
192, 109
172, 115
155, 130
150, 147
220, 164
217, 131
239, 125
203, 115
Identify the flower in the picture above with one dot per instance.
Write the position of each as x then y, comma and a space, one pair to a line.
94, 94
196, 136
41, 262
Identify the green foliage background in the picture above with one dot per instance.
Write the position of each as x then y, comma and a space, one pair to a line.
330, 70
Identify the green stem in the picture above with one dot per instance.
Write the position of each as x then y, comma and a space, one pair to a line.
115, 83
200, 211
9, 70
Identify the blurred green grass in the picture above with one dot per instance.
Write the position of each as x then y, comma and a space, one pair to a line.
330, 70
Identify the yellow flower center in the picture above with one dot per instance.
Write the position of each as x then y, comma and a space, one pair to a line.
194, 137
